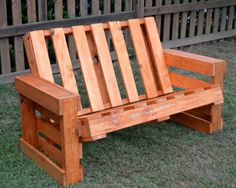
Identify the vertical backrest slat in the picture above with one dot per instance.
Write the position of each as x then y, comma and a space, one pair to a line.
123, 61
98, 68
87, 67
41, 63
156, 51
63, 60
143, 58
106, 64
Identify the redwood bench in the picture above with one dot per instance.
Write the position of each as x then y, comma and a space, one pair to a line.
53, 119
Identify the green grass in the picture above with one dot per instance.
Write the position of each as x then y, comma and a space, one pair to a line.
154, 155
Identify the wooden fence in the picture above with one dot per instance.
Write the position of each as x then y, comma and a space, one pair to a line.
180, 22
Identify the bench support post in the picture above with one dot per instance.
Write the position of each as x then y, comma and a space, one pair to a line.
71, 147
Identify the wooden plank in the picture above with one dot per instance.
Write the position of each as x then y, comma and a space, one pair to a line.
107, 6
51, 168
158, 59
95, 7
58, 6
84, 7
70, 145
42, 10
216, 20
4, 43
191, 62
118, 5
28, 121
22, 29
98, 69
162, 108
192, 121
200, 21
123, 61
63, 60
18, 42
143, 58
139, 8
43, 92
128, 7
87, 67
166, 32
175, 29
192, 22
106, 64
49, 130
31, 11
41, 63
208, 21
231, 17
158, 17
71, 13
50, 150
187, 82
183, 22
223, 19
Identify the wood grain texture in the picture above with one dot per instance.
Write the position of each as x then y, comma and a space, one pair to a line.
158, 59
86, 63
63, 60
106, 64
40, 64
123, 61
143, 58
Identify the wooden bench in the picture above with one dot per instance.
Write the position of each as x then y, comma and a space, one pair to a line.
53, 119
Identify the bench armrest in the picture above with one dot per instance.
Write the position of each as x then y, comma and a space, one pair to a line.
215, 68
49, 95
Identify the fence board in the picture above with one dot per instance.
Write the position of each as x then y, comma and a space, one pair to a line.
71, 14
216, 20
184, 23
95, 7
4, 43
31, 11
166, 33
192, 22
231, 18
58, 9
200, 21
223, 19
209, 21
83, 7
175, 30
42, 10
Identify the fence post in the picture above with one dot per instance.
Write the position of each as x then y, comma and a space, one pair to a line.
139, 8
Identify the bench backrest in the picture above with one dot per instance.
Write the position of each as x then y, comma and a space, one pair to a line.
99, 77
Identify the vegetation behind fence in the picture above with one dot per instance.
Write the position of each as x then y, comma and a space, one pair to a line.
180, 22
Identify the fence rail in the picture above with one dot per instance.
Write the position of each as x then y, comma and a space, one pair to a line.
180, 22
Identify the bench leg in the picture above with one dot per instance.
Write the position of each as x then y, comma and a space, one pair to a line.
71, 147
204, 119
66, 168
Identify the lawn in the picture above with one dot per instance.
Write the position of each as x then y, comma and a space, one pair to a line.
153, 155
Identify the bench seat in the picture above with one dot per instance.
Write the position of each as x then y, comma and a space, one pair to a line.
96, 125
